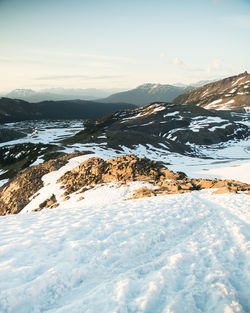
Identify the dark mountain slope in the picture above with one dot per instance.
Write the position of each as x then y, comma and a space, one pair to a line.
147, 93
17, 110
174, 127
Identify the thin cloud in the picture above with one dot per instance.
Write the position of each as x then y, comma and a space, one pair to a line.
217, 65
83, 55
63, 77
5, 58
178, 62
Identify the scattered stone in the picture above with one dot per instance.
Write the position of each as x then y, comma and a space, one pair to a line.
55, 205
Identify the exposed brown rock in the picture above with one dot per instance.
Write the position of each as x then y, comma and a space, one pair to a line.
15, 196
121, 169
130, 168
95, 171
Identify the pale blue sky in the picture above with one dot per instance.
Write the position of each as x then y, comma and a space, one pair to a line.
113, 43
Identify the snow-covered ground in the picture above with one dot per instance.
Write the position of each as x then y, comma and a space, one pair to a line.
176, 253
44, 131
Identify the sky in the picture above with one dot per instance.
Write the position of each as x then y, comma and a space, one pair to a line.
121, 43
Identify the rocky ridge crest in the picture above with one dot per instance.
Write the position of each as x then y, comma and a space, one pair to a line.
95, 171
129, 168
231, 93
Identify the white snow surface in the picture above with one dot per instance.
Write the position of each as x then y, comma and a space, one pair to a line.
171, 254
176, 253
159, 108
46, 131
211, 104
237, 81
236, 172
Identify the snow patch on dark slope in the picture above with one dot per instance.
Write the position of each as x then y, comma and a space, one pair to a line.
177, 128
231, 93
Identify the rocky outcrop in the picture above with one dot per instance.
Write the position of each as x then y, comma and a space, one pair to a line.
130, 168
95, 171
123, 169
15, 196
187, 185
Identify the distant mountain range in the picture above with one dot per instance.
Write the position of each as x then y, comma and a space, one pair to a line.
231, 93
12, 110
139, 96
56, 94
196, 84
147, 93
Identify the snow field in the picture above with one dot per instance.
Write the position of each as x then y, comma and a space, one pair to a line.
176, 253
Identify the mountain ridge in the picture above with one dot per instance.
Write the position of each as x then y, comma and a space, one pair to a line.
58, 94
12, 110
173, 127
146, 93
230, 93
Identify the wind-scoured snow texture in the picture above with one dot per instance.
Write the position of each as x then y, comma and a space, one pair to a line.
177, 253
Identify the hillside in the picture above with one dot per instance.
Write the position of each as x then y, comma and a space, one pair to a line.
174, 127
147, 93
17, 110
231, 93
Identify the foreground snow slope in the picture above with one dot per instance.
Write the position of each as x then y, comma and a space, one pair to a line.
176, 253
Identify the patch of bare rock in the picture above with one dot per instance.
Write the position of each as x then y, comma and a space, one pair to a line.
16, 195
130, 168
95, 171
